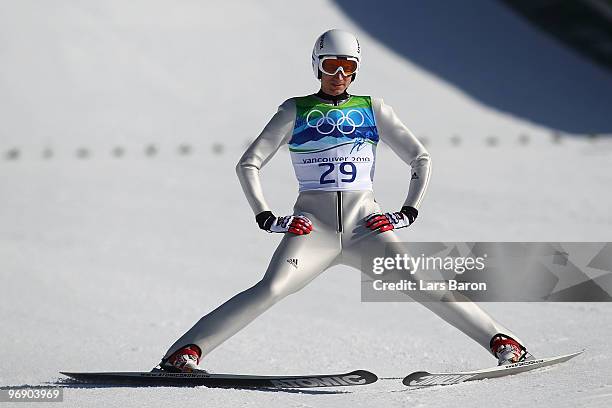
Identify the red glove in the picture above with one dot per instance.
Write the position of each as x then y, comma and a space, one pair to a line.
295, 224
388, 221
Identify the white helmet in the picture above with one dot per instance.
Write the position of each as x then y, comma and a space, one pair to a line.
335, 42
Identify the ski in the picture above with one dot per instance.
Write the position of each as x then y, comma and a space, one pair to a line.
425, 379
162, 378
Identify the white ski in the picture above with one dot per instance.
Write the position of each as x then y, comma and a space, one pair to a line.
425, 379
164, 379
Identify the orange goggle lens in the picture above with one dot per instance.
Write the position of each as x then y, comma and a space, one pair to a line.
331, 66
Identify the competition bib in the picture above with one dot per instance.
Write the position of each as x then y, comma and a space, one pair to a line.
333, 147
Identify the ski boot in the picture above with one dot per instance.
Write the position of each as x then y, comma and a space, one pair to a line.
184, 360
507, 350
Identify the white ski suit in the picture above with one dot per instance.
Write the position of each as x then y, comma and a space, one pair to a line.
333, 149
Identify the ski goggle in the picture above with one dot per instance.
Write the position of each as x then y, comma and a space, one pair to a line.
331, 65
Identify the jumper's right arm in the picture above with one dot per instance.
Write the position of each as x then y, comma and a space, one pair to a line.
277, 131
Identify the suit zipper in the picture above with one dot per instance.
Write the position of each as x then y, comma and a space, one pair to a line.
339, 199
339, 209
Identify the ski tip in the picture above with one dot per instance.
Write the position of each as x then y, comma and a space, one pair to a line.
75, 376
578, 352
70, 375
572, 355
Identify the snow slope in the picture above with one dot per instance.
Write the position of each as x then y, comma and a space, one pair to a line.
105, 261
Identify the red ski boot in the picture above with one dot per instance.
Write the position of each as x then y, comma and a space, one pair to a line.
507, 350
184, 360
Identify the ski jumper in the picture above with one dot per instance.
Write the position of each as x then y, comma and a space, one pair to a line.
333, 151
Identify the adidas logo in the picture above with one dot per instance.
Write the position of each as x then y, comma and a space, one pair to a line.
414, 176
293, 261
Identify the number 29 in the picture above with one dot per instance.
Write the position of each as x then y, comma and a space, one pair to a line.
346, 168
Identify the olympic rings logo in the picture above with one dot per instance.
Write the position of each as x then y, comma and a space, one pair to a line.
334, 119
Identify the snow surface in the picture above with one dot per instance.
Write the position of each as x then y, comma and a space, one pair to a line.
104, 261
